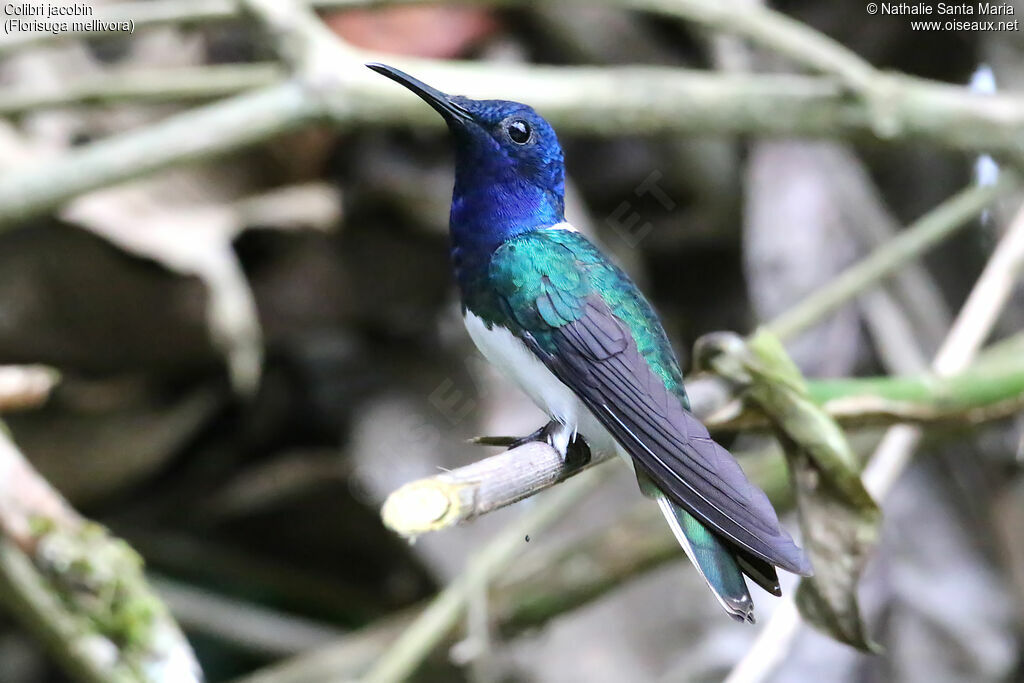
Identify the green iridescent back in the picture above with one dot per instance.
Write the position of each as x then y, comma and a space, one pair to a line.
544, 278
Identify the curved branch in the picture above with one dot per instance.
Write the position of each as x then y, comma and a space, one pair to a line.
81, 591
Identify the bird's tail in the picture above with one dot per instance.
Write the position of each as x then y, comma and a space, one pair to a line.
715, 562
721, 566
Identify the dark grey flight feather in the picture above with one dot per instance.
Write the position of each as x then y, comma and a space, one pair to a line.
597, 358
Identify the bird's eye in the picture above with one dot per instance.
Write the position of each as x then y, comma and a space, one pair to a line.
519, 131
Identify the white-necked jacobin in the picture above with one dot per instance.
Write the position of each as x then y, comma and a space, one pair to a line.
546, 307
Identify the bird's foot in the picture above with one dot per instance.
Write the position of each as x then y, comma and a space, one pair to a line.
572, 447
542, 434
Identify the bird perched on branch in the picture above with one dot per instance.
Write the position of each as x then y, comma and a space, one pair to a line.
545, 306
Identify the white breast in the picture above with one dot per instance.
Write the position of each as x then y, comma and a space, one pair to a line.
508, 354
511, 356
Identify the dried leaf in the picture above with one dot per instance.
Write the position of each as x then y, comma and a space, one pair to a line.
441, 32
838, 517
195, 238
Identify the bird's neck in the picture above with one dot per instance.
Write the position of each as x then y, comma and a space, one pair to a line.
486, 213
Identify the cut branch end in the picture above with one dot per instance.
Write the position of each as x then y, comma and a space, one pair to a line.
421, 506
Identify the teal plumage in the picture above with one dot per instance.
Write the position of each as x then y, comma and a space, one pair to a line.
566, 266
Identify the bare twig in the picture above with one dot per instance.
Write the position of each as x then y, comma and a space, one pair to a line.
537, 588
145, 87
25, 386
440, 616
970, 329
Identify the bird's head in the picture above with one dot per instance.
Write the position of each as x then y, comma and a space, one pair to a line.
509, 165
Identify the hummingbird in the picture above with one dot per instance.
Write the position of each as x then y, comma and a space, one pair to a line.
554, 314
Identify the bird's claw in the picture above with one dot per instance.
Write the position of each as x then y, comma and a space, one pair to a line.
542, 434
576, 454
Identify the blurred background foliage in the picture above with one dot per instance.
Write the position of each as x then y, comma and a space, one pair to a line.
255, 349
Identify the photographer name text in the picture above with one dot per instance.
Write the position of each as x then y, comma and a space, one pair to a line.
981, 9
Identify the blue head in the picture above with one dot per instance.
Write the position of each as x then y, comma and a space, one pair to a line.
509, 172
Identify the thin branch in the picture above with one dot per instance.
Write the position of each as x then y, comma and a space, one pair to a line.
602, 101
149, 86
242, 624
760, 24
916, 296
189, 137
434, 623
925, 233
537, 587
769, 29
304, 41
969, 331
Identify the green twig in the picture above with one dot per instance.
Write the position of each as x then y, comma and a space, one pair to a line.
924, 234
25, 593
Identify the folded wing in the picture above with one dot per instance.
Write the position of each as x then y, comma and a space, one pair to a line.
596, 356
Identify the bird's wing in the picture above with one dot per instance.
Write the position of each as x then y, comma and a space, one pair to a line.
590, 349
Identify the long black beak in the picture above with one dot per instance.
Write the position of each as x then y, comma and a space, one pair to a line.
452, 112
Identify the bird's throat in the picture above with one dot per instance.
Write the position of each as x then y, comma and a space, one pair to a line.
485, 215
